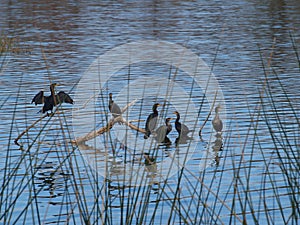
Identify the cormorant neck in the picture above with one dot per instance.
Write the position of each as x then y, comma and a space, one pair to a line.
178, 118
52, 90
155, 110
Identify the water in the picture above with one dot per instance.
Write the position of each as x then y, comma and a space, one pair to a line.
60, 40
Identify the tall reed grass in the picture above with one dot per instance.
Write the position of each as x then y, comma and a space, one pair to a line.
47, 179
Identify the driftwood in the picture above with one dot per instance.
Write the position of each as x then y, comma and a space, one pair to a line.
34, 123
91, 134
27, 129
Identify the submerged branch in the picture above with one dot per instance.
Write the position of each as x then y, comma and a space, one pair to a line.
16, 141
28, 128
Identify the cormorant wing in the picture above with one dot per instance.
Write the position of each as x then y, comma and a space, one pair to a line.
64, 97
115, 110
184, 129
150, 124
38, 98
161, 133
217, 124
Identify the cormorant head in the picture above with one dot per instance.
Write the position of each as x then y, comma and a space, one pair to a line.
217, 109
54, 85
155, 106
169, 119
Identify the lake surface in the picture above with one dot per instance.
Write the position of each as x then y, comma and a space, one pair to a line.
241, 42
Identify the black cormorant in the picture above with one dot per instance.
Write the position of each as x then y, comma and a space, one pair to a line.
113, 107
151, 121
217, 122
163, 131
181, 128
51, 100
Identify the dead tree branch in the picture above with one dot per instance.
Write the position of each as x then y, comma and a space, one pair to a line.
91, 135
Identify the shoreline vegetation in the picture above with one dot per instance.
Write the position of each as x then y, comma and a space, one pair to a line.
12, 45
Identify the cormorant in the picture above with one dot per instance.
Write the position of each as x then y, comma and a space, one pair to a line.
217, 122
181, 128
51, 100
151, 121
163, 131
113, 107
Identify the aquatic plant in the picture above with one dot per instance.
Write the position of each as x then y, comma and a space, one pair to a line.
48, 180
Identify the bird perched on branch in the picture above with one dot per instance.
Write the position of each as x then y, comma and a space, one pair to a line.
151, 121
217, 122
113, 107
51, 100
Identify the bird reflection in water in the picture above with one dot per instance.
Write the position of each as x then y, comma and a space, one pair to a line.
150, 165
217, 147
